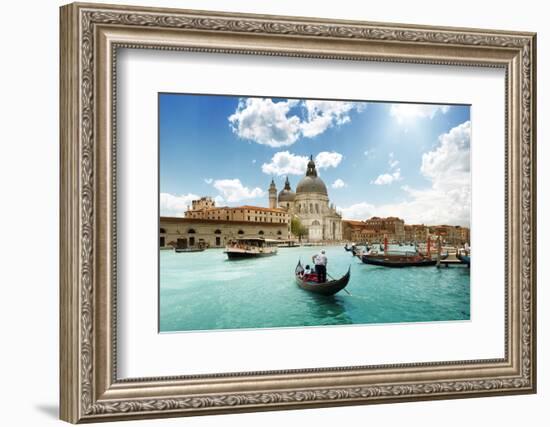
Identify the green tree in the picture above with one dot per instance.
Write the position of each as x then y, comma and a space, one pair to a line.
297, 228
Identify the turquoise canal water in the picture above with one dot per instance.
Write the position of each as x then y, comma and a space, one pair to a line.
205, 291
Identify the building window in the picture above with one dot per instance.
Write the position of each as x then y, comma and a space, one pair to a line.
162, 231
279, 232
240, 232
162, 242
218, 231
261, 232
191, 231
218, 241
192, 241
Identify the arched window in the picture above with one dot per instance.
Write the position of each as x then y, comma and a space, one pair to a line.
279, 232
191, 231
218, 231
316, 207
261, 232
240, 232
311, 207
163, 231
315, 223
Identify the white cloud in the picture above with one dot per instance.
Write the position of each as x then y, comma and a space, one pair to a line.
208, 180
339, 183
286, 163
270, 123
232, 190
411, 112
388, 178
367, 153
392, 162
322, 115
266, 122
328, 159
394, 174
361, 210
171, 205
447, 201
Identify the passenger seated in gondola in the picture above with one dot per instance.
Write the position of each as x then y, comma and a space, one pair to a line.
308, 275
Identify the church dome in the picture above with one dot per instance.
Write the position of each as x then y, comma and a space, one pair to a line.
286, 194
311, 183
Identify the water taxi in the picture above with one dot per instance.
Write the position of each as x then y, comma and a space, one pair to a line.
251, 248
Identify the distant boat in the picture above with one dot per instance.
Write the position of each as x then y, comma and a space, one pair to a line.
288, 244
396, 259
326, 288
407, 259
251, 248
463, 258
185, 250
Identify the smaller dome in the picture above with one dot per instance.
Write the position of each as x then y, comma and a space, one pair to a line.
286, 194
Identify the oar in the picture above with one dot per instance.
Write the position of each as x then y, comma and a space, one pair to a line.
345, 290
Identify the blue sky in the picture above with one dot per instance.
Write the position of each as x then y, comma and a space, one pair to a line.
376, 158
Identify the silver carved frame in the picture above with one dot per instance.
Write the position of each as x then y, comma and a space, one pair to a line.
90, 36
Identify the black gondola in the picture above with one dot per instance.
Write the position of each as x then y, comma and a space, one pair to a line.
326, 288
398, 260
464, 259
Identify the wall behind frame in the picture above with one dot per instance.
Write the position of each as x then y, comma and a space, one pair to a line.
29, 171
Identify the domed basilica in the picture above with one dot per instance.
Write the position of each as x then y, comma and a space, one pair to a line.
310, 204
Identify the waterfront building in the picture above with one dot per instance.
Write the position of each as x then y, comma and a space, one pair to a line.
310, 204
215, 233
374, 229
208, 210
416, 232
452, 234
357, 231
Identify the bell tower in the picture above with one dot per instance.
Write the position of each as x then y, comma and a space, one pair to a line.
272, 194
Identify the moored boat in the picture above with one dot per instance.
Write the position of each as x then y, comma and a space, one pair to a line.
463, 258
251, 248
326, 288
398, 259
185, 250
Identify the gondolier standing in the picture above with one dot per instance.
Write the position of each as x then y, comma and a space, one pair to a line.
320, 261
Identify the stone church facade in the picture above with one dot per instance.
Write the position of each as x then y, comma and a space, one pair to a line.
311, 204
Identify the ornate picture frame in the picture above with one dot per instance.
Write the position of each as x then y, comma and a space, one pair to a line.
90, 37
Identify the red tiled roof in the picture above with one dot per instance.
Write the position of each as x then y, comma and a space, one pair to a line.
181, 220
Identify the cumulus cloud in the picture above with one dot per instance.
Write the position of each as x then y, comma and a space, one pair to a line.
271, 123
393, 175
339, 183
409, 112
266, 122
447, 200
359, 211
172, 205
208, 180
322, 115
232, 190
392, 162
388, 178
328, 159
286, 163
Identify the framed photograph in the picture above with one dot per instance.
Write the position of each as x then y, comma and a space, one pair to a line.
267, 212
